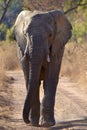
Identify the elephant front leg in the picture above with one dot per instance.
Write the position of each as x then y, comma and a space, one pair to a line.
31, 109
50, 85
35, 110
48, 104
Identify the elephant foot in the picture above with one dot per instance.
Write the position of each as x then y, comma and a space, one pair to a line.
34, 122
47, 121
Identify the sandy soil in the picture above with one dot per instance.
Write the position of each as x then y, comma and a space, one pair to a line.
70, 106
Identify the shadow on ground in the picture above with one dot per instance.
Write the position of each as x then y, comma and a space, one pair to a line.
82, 123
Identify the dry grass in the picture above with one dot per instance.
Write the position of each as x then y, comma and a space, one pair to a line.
8, 60
74, 62
8, 56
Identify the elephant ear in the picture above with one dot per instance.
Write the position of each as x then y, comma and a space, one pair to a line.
62, 31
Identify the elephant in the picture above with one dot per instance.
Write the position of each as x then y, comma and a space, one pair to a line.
41, 38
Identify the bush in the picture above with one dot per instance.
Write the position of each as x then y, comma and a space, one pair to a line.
10, 34
3, 30
79, 31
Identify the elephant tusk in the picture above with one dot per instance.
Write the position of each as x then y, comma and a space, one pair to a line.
27, 45
48, 58
22, 59
26, 48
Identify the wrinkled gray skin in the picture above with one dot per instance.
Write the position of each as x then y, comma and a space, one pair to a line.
41, 37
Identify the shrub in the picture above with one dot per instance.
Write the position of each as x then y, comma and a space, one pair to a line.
3, 30
10, 34
79, 31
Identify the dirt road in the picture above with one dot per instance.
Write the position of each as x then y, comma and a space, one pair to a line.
70, 107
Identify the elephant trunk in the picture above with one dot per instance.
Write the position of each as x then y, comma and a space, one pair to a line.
36, 51
34, 74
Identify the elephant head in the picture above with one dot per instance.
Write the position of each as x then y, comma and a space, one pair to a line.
41, 35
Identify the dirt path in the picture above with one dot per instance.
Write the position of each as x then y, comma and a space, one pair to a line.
70, 108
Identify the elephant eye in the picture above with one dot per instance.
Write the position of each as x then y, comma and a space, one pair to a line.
50, 34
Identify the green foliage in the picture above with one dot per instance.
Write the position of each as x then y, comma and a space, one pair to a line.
14, 8
15, 4
1, 9
10, 34
6, 28
77, 17
3, 30
79, 31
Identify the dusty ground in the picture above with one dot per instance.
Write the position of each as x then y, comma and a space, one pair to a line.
70, 108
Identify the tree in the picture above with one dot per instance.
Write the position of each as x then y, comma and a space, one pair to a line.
5, 7
9, 10
43, 4
67, 5
73, 5
76, 10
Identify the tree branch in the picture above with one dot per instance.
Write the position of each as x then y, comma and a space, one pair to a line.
75, 7
5, 10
